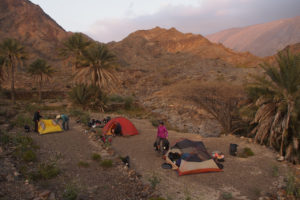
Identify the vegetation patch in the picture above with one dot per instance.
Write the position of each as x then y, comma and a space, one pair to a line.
96, 157
227, 195
45, 171
70, 192
293, 186
82, 116
106, 163
83, 164
247, 152
23, 119
154, 180
25, 148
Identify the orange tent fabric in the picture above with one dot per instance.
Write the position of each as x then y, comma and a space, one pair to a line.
127, 126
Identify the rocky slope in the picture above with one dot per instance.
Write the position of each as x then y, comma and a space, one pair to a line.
155, 62
261, 39
41, 35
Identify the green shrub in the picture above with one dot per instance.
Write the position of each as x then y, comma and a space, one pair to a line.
83, 164
116, 98
88, 96
29, 156
275, 171
128, 102
154, 122
84, 117
247, 152
5, 139
106, 163
154, 181
25, 148
227, 195
48, 170
70, 193
96, 157
23, 119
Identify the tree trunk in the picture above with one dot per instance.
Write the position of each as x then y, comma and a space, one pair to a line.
13, 98
287, 122
40, 88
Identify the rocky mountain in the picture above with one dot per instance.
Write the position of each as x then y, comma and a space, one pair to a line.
261, 39
41, 35
161, 66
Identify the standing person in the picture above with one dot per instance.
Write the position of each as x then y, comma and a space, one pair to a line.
36, 119
162, 135
65, 121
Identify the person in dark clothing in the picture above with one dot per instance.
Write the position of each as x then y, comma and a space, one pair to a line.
36, 119
118, 129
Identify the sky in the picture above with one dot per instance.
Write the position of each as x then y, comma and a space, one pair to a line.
113, 20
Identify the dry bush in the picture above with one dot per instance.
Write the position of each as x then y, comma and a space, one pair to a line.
221, 100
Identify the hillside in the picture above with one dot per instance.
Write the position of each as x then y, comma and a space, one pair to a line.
261, 39
41, 35
161, 65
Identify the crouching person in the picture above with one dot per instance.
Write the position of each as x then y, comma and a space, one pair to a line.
65, 121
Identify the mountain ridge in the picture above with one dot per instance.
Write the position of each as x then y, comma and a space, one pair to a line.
274, 36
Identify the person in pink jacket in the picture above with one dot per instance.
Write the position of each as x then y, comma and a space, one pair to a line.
162, 134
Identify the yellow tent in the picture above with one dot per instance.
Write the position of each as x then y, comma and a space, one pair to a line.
48, 126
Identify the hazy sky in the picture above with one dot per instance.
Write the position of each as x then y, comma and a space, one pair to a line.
111, 20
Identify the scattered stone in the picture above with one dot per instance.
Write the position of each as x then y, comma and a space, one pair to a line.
16, 174
44, 194
280, 158
1, 150
26, 182
51, 196
10, 178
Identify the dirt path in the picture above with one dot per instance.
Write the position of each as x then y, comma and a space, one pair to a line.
94, 181
243, 178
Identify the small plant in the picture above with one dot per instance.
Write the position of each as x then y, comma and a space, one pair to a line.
83, 164
48, 170
154, 122
70, 193
247, 152
154, 181
84, 117
275, 171
5, 139
128, 102
23, 120
106, 163
227, 195
29, 156
293, 185
96, 157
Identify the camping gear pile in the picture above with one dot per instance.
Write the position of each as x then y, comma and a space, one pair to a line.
95, 123
190, 157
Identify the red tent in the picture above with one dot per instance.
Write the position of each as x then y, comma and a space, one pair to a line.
127, 127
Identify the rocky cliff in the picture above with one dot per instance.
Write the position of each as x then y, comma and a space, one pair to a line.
41, 36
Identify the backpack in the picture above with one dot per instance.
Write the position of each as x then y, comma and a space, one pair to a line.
233, 149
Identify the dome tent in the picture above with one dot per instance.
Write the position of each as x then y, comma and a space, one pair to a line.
194, 158
126, 125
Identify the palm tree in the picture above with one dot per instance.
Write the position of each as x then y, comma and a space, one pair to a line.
39, 69
277, 99
1, 69
13, 54
73, 48
97, 67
